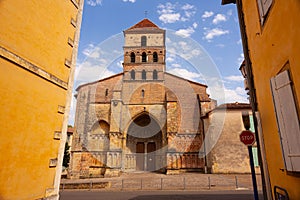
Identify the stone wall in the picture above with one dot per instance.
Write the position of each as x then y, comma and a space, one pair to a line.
229, 154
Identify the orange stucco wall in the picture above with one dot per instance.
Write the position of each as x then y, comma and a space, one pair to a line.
37, 32
271, 46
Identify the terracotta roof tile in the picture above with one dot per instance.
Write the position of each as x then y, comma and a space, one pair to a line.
145, 23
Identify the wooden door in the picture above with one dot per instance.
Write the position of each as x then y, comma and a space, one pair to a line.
151, 148
140, 156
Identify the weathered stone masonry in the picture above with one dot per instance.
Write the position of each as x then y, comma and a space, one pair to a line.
143, 119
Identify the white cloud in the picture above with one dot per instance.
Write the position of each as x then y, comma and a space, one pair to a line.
225, 94
219, 18
211, 33
173, 12
196, 52
185, 32
229, 12
237, 94
92, 52
120, 64
170, 58
182, 48
167, 8
185, 74
87, 72
195, 25
132, 1
189, 11
169, 17
240, 59
238, 78
207, 14
94, 2
188, 7
176, 65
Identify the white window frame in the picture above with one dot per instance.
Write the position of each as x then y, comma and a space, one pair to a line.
287, 120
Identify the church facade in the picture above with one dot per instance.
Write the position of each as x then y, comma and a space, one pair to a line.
143, 119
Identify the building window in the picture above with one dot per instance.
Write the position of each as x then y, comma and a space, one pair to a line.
155, 57
143, 41
143, 93
155, 74
106, 92
143, 75
264, 7
144, 57
132, 57
132, 74
287, 119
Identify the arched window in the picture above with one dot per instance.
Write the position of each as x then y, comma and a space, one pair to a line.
143, 93
143, 41
132, 57
144, 57
132, 74
143, 75
155, 57
155, 74
106, 92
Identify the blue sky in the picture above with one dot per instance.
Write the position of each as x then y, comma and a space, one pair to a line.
207, 29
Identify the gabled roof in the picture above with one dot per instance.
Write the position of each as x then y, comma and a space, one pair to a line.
194, 82
145, 23
98, 81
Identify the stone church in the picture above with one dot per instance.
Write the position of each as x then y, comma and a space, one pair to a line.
143, 119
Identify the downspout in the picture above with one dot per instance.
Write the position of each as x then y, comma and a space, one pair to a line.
252, 90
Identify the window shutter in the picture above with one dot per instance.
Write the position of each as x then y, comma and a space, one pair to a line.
263, 7
266, 6
261, 11
287, 120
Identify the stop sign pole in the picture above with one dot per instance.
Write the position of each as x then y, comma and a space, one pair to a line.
248, 138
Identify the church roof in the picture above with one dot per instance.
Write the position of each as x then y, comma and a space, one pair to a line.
145, 23
98, 81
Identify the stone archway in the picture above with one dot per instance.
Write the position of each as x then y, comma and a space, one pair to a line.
143, 144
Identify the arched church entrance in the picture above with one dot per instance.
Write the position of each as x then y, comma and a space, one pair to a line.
144, 142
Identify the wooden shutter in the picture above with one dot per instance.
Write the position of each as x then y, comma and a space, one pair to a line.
263, 7
266, 5
287, 120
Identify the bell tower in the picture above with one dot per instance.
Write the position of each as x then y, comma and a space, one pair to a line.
144, 52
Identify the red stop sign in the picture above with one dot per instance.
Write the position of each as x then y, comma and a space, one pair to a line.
247, 137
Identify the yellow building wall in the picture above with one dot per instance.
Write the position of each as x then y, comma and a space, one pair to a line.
34, 82
271, 46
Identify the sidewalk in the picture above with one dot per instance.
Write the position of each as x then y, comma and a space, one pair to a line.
157, 181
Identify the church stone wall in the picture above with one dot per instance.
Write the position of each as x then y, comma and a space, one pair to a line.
187, 99
126, 106
134, 40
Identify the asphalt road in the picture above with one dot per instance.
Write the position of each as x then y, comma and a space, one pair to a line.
157, 195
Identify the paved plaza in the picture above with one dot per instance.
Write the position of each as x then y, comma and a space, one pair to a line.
155, 181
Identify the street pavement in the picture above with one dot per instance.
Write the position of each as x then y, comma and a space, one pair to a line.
150, 186
158, 195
